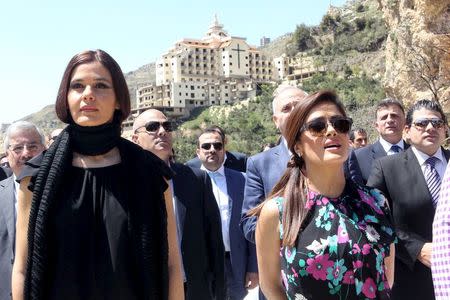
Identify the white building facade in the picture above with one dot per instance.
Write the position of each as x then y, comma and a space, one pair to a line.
216, 70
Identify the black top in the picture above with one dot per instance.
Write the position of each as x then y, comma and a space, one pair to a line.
92, 211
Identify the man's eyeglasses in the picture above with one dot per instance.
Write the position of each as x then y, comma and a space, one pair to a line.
319, 126
207, 146
154, 126
423, 123
18, 149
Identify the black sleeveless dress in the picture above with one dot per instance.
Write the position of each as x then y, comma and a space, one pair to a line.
90, 255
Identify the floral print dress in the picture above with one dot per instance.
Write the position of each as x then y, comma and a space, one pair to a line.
340, 250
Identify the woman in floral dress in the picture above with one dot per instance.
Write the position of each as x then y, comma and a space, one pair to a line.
335, 238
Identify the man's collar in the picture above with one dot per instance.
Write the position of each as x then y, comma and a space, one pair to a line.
422, 157
387, 146
220, 170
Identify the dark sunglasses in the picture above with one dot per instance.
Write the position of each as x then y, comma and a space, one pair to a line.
154, 126
207, 146
423, 123
318, 127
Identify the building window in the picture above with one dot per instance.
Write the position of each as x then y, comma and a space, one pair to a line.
231, 56
192, 95
192, 87
179, 93
226, 94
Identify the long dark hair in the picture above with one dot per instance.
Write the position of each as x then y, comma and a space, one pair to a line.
292, 185
119, 83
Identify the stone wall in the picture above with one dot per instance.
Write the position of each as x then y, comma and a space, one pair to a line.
418, 49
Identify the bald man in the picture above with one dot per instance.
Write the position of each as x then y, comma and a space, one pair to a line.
197, 214
266, 168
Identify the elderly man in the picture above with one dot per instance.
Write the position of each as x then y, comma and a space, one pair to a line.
411, 181
266, 168
228, 187
196, 211
23, 141
390, 122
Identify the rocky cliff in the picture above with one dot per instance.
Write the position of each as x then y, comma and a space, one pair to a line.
418, 49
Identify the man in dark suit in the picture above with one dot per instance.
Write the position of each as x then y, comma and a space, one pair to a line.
411, 182
197, 215
23, 141
266, 168
390, 122
233, 160
228, 187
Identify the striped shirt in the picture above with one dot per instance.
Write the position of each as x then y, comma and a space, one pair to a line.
440, 261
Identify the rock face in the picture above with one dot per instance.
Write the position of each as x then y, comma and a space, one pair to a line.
418, 49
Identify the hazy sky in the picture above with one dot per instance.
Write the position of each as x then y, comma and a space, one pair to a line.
38, 38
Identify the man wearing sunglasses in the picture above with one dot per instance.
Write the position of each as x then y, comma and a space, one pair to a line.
197, 215
228, 187
411, 181
233, 160
23, 141
390, 122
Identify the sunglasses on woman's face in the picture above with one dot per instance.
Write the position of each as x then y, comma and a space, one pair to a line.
154, 126
319, 126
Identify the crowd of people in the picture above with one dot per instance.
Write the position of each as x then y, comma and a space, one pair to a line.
321, 214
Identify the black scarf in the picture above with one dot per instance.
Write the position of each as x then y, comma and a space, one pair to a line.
147, 211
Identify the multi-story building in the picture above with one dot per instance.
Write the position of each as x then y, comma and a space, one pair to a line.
215, 70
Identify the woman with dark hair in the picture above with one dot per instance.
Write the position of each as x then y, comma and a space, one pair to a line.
336, 238
94, 217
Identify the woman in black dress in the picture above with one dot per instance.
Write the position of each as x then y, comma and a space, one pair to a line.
95, 218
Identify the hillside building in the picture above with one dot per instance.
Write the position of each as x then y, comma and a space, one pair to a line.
215, 70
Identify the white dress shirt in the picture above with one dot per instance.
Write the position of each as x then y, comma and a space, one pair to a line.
219, 185
439, 166
387, 146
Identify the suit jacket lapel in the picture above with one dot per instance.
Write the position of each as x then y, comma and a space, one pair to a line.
230, 191
8, 209
412, 167
180, 207
378, 150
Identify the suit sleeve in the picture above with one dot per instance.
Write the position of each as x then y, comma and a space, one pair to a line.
214, 241
253, 195
409, 244
352, 169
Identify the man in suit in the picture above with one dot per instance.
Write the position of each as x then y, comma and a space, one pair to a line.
390, 122
411, 182
266, 168
233, 160
23, 141
358, 138
197, 215
228, 187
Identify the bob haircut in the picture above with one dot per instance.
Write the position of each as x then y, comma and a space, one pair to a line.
119, 84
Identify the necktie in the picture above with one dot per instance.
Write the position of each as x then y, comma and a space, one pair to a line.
432, 178
396, 148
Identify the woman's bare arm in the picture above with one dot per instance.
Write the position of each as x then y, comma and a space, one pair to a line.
24, 197
176, 290
268, 243
389, 263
